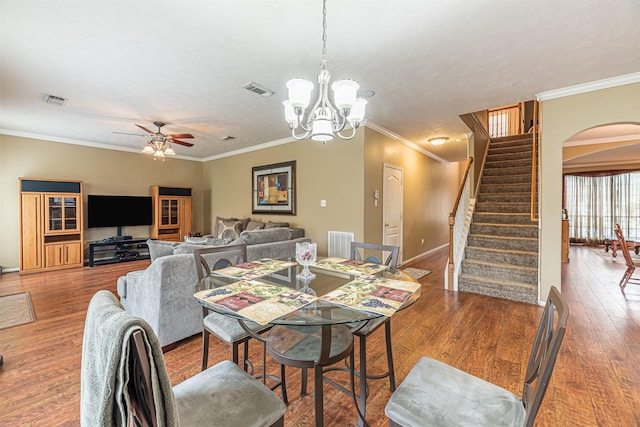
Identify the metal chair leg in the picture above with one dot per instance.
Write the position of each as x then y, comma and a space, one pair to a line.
392, 375
205, 349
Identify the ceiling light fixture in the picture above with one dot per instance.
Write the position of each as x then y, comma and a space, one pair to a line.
325, 118
160, 147
438, 140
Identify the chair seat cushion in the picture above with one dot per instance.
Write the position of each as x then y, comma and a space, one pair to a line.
225, 395
228, 329
436, 394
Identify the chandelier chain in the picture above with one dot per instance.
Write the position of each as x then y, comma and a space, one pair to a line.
324, 34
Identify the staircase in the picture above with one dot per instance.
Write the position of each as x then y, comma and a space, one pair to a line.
501, 257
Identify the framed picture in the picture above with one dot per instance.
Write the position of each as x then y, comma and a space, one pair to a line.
273, 188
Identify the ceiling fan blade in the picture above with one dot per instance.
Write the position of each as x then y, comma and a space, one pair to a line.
126, 133
177, 141
145, 129
181, 135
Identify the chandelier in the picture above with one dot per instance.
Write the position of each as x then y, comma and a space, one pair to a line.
325, 118
159, 146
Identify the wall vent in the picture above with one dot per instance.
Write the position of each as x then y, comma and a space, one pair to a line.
256, 88
52, 99
340, 244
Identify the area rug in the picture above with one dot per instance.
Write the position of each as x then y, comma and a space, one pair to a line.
16, 310
608, 256
416, 273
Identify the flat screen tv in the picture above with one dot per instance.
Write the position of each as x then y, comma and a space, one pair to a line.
119, 211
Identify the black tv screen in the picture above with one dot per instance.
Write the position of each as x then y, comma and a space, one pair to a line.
118, 211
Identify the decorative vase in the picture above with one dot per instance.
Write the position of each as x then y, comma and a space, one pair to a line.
306, 256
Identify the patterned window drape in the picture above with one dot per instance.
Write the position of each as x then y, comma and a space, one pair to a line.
595, 204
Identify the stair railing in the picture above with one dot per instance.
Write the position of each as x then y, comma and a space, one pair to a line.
459, 220
534, 164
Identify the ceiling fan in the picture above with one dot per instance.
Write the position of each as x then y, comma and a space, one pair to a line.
160, 144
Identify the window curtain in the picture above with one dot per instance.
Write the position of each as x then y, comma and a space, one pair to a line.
595, 204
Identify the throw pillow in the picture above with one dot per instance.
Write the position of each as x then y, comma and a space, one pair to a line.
255, 225
271, 224
228, 228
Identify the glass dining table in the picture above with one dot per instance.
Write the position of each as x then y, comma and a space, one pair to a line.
318, 331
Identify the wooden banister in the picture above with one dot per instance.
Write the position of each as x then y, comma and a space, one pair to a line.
534, 163
453, 213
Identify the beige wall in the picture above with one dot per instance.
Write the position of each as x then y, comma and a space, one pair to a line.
560, 119
334, 172
102, 172
429, 193
331, 172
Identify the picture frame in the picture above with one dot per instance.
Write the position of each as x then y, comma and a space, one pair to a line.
273, 188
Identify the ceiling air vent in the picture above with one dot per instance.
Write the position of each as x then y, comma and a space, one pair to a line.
52, 99
256, 88
227, 138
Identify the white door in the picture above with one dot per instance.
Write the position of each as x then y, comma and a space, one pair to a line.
392, 208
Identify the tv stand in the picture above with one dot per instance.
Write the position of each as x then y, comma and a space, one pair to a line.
122, 249
117, 238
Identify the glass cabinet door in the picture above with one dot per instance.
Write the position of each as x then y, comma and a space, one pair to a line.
62, 213
169, 214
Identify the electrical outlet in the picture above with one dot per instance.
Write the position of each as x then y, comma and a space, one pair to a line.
323, 203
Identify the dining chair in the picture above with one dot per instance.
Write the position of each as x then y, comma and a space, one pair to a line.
631, 267
437, 394
226, 328
362, 330
124, 380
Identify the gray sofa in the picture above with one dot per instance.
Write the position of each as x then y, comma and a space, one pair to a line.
162, 294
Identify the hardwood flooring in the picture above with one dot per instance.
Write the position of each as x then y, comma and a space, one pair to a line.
596, 381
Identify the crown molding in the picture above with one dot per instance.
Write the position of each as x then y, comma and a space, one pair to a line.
386, 132
589, 87
85, 143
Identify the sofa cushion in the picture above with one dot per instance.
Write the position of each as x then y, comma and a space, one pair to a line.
271, 224
229, 228
255, 225
160, 248
196, 240
266, 236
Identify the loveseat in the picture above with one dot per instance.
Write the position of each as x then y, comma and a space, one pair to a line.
162, 294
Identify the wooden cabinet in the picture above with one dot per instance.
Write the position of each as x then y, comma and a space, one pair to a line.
51, 225
172, 213
62, 254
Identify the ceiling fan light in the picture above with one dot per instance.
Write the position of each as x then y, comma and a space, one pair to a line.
344, 93
148, 149
299, 92
169, 151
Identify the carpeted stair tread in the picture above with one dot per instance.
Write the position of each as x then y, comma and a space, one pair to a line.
513, 230
514, 257
522, 218
505, 207
510, 290
508, 171
506, 179
491, 187
505, 196
500, 272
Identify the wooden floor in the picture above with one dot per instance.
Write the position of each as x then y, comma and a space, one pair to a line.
596, 381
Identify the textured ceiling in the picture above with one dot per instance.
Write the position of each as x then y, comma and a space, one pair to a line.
184, 62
